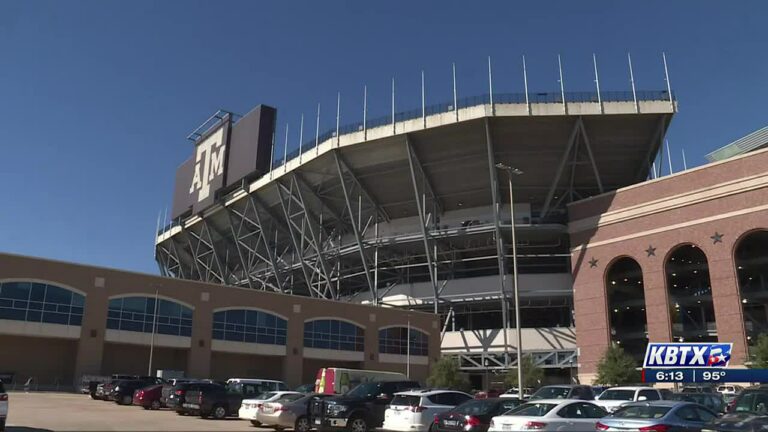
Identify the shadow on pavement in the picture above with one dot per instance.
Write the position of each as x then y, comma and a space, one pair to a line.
25, 429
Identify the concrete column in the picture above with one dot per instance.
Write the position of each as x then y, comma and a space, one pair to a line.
199, 360
294, 355
656, 299
90, 347
726, 298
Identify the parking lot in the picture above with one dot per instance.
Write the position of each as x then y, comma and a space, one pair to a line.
73, 412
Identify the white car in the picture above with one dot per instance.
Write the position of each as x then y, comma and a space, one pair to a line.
550, 415
615, 397
3, 406
415, 410
249, 408
729, 390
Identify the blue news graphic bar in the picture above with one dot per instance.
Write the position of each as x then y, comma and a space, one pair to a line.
713, 375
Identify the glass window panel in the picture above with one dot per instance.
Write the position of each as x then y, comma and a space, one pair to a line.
236, 316
219, 316
55, 318
12, 314
58, 295
186, 331
270, 320
135, 304
169, 308
116, 304
251, 317
186, 312
78, 300
113, 323
15, 290
34, 316
38, 292
75, 320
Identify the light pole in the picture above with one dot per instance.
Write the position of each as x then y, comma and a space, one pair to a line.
510, 171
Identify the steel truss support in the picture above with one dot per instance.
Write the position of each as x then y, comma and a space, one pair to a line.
570, 157
653, 148
499, 239
555, 359
207, 262
380, 211
356, 228
305, 235
250, 236
420, 198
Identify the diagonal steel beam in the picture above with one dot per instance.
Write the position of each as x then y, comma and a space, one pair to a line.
356, 230
585, 138
413, 163
414, 160
553, 188
265, 242
301, 181
351, 173
653, 147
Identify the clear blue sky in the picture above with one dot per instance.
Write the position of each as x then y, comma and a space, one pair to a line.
97, 97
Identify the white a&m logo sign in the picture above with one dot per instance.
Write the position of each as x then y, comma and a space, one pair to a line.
209, 164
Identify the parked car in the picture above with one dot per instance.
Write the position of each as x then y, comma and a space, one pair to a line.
514, 393
305, 388
698, 389
713, 401
571, 391
361, 409
597, 390
214, 400
251, 386
168, 386
473, 416
289, 412
658, 416
148, 397
550, 415
249, 408
3, 406
415, 410
752, 400
122, 392
615, 397
729, 389
341, 380
178, 395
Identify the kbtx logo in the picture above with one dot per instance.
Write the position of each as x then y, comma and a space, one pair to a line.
687, 355
209, 163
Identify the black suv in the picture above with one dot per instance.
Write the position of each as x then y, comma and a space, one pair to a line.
583, 392
360, 409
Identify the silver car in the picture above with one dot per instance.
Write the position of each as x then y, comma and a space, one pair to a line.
659, 416
289, 412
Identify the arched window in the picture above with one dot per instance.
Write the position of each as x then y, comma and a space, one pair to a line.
626, 304
752, 270
137, 314
691, 310
245, 325
395, 340
39, 302
333, 335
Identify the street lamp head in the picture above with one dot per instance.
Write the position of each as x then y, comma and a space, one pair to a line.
509, 169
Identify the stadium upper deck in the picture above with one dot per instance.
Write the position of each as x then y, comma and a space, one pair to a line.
377, 207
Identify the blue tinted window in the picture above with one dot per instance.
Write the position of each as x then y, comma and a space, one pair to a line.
252, 326
25, 301
393, 340
334, 335
137, 314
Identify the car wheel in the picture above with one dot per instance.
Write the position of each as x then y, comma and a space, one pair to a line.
256, 423
358, 424
302, 425
127, 400
155, 405
145, 407
219, 412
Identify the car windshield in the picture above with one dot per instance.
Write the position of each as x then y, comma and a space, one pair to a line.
753, 402
364, 390
551, 393
625, 395
531, 409
641, 412
475, 407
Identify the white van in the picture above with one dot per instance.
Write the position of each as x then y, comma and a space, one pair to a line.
250, 386
340, 380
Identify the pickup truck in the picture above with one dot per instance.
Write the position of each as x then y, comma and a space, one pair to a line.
360, 409
213, 400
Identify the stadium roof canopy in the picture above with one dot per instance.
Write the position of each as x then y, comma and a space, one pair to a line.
754, 141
